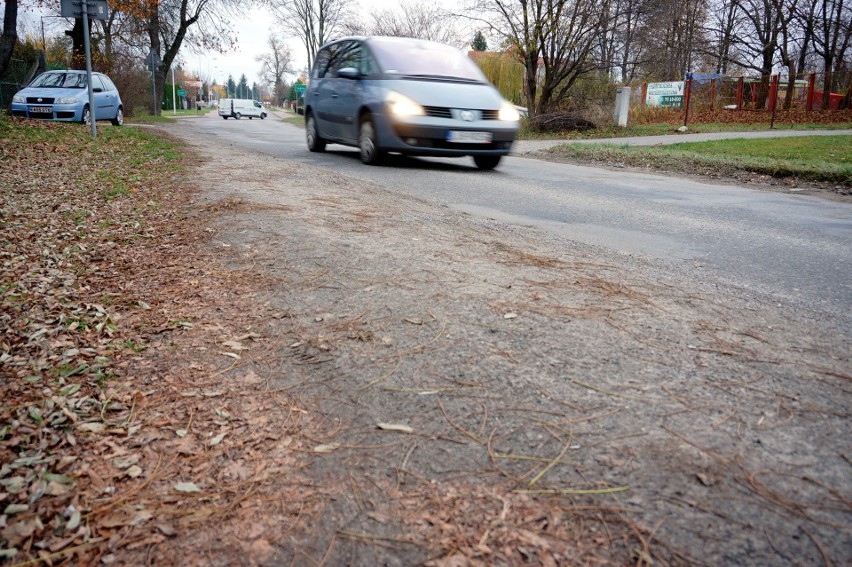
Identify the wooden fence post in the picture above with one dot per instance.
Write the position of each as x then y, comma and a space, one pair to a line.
644, 94
809, 105
740, 85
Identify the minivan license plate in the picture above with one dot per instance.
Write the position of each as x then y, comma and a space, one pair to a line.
41, 109
461, 137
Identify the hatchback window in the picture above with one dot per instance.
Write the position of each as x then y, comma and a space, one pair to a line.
64, 80
96, 83
424, 59
107, 83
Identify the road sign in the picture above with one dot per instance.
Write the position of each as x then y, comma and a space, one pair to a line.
96, 9
665, 94
181, 92
300, 88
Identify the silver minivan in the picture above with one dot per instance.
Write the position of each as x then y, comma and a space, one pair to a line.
409, 96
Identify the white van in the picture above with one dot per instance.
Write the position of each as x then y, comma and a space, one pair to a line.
239, 107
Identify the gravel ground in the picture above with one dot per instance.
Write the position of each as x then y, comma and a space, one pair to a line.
550, 377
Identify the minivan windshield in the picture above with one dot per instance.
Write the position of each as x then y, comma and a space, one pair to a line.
64, 80
424, 59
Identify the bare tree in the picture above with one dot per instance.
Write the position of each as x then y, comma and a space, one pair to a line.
314, 22
831, 40
555, 40
275, 63
674, 38
421, 19
787, 45
757, 39
629, 20
172, 24
721, 29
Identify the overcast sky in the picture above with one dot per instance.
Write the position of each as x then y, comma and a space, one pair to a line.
253, 30
252, 27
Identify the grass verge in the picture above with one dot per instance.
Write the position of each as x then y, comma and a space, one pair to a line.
826, 159
294, 119
666, 128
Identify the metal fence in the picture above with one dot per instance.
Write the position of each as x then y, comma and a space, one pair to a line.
11, 82
707, 92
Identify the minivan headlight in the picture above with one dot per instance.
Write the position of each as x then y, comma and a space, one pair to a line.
66, 100
509, 113
19, 99
401, 105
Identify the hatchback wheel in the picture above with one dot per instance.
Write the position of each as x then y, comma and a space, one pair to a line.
370, 152
312, 137
87, 116
119, 117
486, 162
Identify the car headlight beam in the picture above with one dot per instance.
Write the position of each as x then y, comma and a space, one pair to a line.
509, 113
401, 105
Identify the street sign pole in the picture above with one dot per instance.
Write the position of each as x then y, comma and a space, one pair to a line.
88, 51
174, 94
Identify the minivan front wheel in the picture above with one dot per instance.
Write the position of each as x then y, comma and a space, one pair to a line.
486, 162
370, 152
312, 137
86, 118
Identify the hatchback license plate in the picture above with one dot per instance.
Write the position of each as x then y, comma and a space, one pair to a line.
461, 137
41, 109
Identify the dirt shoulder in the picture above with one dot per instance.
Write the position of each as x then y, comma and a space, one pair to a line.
340, 374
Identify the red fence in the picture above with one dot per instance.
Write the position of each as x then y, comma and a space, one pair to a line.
768, 93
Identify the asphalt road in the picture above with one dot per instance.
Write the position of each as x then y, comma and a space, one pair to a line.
795, 248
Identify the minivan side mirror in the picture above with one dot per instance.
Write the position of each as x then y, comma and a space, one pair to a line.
349, 73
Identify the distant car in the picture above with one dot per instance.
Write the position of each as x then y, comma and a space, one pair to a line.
238, 107
410, 96
64, 96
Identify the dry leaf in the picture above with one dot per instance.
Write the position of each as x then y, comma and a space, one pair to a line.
92, 427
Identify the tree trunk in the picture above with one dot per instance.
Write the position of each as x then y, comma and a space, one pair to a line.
791, 85
159, 75
531, 83
10, 35
78, 48
826, 85
766, 71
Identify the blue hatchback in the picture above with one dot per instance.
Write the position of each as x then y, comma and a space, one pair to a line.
63, 95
